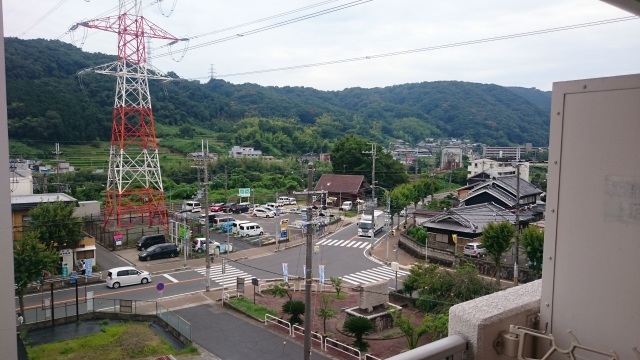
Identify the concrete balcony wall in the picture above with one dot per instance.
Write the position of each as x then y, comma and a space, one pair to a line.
481, 320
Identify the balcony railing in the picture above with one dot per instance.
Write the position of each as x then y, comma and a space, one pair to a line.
450, 348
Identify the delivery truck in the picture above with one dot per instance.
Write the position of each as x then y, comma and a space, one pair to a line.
367, 227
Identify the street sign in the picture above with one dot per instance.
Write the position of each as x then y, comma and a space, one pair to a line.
285, 272
65, 270
117, 238
160, 287
283, 223
89, 267
244, 192
284, 234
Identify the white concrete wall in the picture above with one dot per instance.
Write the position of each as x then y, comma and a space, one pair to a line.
481, 320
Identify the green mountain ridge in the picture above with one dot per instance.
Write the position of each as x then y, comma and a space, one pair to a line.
48, 102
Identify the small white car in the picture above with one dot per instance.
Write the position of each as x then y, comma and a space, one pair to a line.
263, 213
126, 275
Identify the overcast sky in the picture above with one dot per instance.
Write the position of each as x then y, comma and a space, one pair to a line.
368, 29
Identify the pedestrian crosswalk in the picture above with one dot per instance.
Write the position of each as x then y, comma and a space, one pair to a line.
229, 278
373, 275
344, 243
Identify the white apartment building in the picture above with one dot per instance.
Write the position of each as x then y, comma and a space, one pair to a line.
243, 151
497, 168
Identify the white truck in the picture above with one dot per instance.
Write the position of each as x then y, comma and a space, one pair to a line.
366, 225
347, 206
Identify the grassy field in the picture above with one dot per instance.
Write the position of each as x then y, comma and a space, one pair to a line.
115, 342
247, 306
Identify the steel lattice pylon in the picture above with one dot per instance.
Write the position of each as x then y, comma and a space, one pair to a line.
134, 183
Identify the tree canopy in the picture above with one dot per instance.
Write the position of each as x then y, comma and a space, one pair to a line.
55, 225
497, 239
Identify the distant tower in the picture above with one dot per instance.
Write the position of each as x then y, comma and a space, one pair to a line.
134, 183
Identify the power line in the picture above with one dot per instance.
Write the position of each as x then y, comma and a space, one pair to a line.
436, 47
54, 8
269, 27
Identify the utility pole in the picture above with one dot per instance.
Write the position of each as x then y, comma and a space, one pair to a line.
205, 153
373, 192
225, 182
515, 262
307, 275
57, 152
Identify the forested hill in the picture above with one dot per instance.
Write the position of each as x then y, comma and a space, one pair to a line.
47, 101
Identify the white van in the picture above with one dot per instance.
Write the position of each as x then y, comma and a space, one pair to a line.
192, 206
250, 229
235, 225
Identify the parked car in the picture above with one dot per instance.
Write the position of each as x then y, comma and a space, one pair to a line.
226, 207
474, 249
239, 209
126, 275
199, 245
346, 206
263, 213
150, 240
217, 207
193, 206
159, 251
250, 229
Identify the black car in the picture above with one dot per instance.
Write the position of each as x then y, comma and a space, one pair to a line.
239, 209
159, 251
227, 208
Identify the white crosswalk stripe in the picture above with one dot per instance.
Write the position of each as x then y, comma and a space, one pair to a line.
373, 275
344, 243
228, 278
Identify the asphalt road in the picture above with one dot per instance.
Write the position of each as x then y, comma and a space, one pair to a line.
233, 338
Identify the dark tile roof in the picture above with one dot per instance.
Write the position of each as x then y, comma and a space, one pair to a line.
470, 219
497, 192
340, 183
509, 182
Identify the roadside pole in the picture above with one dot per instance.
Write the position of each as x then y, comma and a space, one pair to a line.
206, 216
308, 279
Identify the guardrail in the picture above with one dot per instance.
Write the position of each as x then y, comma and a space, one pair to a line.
346, 349
277, 321
296, 329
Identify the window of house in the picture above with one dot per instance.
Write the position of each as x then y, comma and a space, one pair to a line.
85, 254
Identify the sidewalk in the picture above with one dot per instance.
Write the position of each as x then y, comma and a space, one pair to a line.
387, 254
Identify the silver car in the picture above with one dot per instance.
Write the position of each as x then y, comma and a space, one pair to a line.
474, 249
126, 275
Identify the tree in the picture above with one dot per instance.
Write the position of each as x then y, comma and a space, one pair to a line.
295, 308
419, 277
437, 326
326, 311
281, 290
55, 225
337, 285
532, 241
358, 326
497, 239
405, 324
30, 259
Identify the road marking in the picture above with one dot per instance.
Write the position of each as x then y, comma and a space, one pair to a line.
170, 277
229, 278
373, 275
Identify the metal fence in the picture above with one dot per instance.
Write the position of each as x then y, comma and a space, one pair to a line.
59, 310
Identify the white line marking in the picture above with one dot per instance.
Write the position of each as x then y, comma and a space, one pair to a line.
170, 278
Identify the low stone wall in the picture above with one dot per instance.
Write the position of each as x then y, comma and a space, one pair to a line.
111, 316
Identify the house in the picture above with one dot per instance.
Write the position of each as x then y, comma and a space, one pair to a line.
506, 152
243, 152
22, 204
494, 168
503, 191
342, 187
466, 222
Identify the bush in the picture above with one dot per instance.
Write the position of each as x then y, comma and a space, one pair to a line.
295, 308
358, 327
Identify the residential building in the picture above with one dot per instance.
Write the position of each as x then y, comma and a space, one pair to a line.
342, 187
244, 152
451, 158
494, 168
466, 222
21, 180
506, 152
22, 204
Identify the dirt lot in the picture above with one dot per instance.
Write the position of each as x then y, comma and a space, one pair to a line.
382, 345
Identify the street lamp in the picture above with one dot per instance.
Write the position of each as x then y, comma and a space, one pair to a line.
228, 231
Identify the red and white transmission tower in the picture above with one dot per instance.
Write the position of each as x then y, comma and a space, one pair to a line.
134, 183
